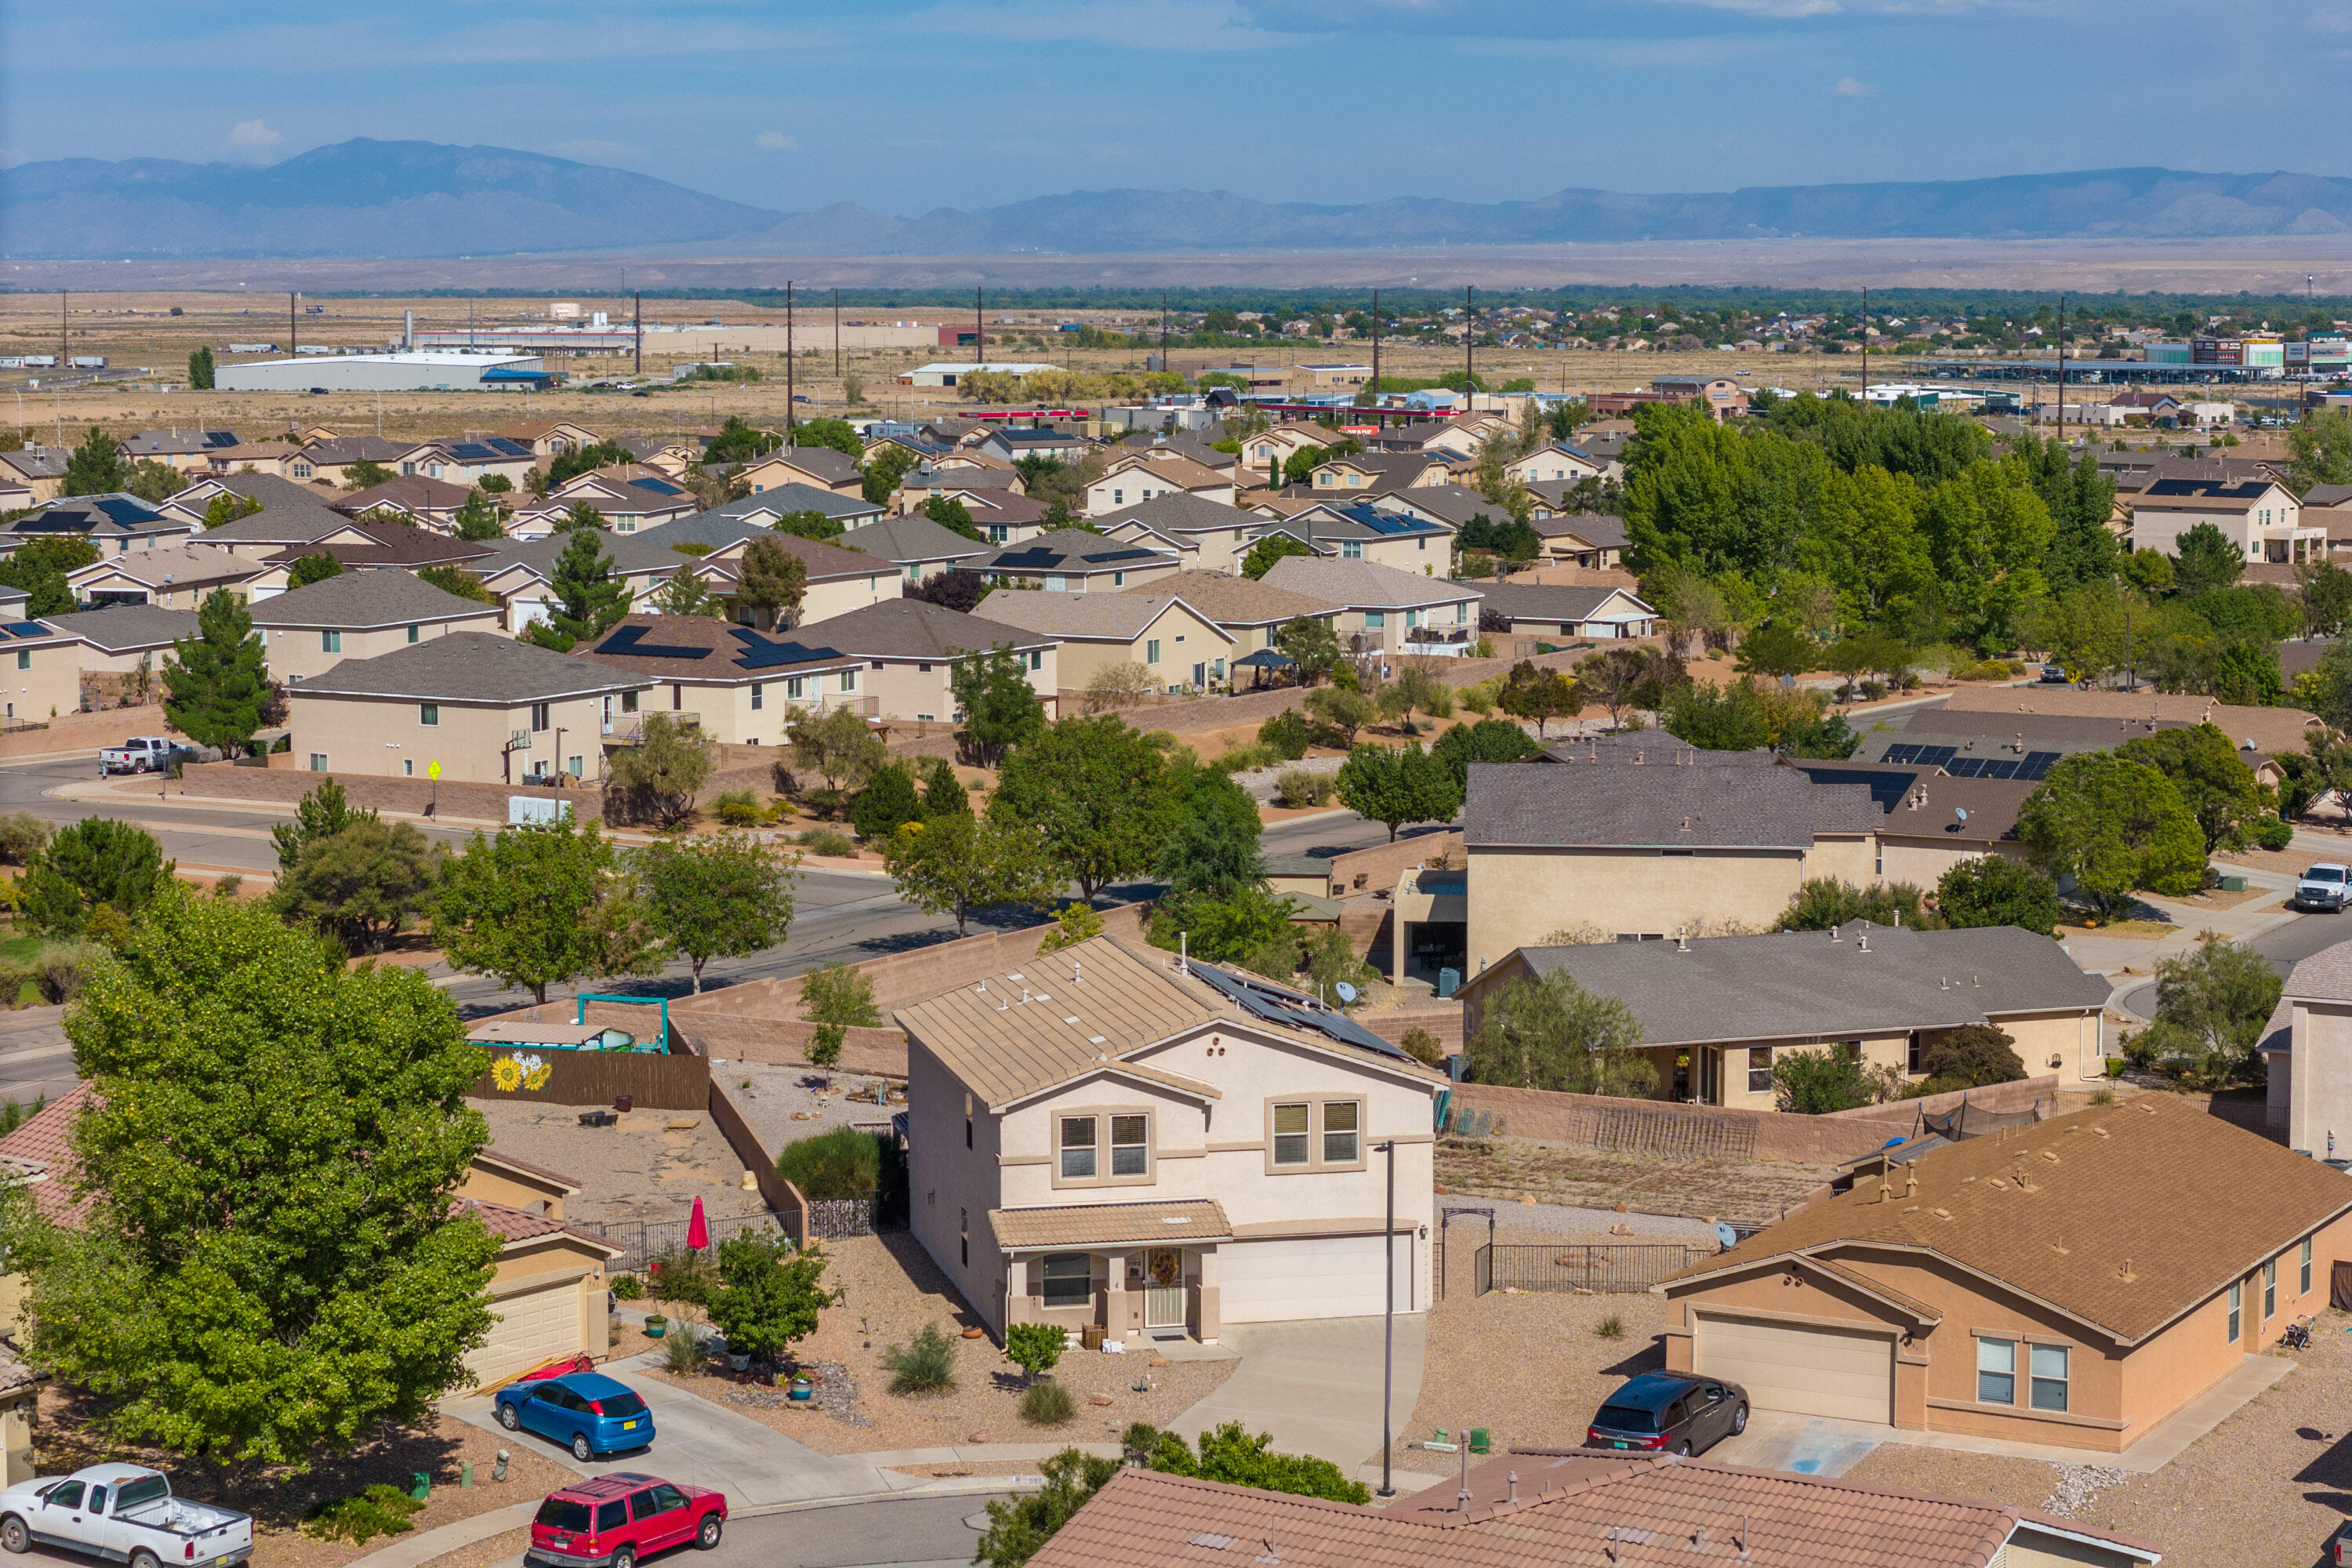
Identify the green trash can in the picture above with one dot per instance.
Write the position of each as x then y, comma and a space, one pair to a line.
2234, 884
1478, 1441
420, 1486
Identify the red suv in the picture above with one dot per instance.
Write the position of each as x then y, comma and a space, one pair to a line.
610, 1521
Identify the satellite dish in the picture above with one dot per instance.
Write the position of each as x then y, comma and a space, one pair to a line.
1725, 1236
1347, 992
1961, 812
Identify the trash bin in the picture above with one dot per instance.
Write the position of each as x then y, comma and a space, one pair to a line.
2234, 884
1478, 1441
1449, 981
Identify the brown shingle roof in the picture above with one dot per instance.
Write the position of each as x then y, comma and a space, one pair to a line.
2188, 1202
1232, 600
1110, 1224
1572, 1512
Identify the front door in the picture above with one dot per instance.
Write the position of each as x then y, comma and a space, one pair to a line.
1681, 1075
1164, 1289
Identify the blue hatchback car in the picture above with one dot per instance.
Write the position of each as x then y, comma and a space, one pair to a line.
591, 1414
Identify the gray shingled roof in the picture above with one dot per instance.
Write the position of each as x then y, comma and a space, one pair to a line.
1662, 807
1597, 528
1806, 985
914, 628
1234, 600
470, 666
2324, 976
1364, 584
1095, 616
361, 600
125, 628
1181, 512
792, 498
911, 539
1558, 601
1067, 549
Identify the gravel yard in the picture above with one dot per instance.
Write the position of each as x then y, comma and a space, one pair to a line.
638, 1169
2268, 1486
786, 1104
892, 1289
1510, 1169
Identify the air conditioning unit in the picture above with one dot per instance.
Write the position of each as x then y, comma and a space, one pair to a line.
519, 741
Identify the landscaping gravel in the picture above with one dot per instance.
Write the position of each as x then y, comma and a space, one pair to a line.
786, 1104
638, 1169
1559, 1222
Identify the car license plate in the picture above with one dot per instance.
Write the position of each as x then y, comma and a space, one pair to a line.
1620, 1442
628, 1426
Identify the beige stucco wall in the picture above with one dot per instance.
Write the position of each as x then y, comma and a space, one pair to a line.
513, 1189
920, 689
1391, 633
1185, 639
1850, 858
742, 712
294, 653
2320, 1079
839, 596
180, 595
1922, 860
375, 735
1517, 896
38, 684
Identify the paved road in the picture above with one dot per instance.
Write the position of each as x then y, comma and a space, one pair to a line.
2282, 946
929, 1532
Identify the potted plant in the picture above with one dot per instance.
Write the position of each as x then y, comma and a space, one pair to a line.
739, 1360
656, 1325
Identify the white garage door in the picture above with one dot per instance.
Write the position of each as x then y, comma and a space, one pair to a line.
1339, 1277
534, 1328
1800, 1368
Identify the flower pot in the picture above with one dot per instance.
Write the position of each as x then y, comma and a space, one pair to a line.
656, 1326
740, 1363
625, 1102
800, 1389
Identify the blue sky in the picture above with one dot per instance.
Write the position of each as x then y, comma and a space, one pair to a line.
903, 105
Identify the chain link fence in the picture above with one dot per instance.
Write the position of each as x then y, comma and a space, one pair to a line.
1603, 1267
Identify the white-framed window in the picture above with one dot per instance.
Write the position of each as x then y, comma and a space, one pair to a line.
759, 696
539, 722
331, 642
2048, 1379
1760, 1069
2269, 1289
429, 714
1065, 1280
318, 761
408, 767
2305, 1288
849, 680
2237, 1304
1995, 1371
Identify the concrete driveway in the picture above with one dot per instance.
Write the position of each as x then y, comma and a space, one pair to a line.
1809, 1445
1315, 1386
706, 1443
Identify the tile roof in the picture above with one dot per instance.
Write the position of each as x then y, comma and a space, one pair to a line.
1700, 806
1809, 984
1234, 600
44, 1141
361, 600
1364, 584
512, 1224
917, 629
2182, 1199
1180, 513
467, 667
1121, 617
910, 538
1068, 550
1110, 1224
126, 629
1571, 1510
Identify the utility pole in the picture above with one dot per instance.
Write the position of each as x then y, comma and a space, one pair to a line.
1376, 357
293, 331
980, 327
836, 336
637, 320
1469, 337
1163, 332
65, 336
2062, 372
1865, 348
789, 423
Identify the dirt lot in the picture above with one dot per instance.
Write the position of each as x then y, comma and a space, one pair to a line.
438, 1447
636, 1169
1512, 1168
2266, 1487
786, 1104
891, 1290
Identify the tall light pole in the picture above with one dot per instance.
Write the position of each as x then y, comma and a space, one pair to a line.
1388, 1330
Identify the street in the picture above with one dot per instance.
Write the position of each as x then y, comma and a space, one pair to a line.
925, 1530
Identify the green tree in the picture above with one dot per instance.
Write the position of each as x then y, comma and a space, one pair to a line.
1396, 785
152, 482
658, 776
1621, 679
954, 515
1824, 903
833, 433
321, 814
1311, 643
1229, 1455
809, 524
535, 907
1487, 741
582, 518
588, 599
2326, 598
956, 865
1343, 709
217, 683
587, 460
1991, 890
2112, 824
1273, 547
365, 473
2218, 789
943, 792
1299, 469
995, 704
95, 467
1035, 1347
1212, 848
271, 1269
227, 507
2319, 450
1542, 695
768, 1296
837, 994
739, 443
1551, 1033
39, 567
100, 860
772, 583
457, 579
2204, 559
478, 521
1970, 1057
884, 467
888, 803
684, 593
1019, 1526
360, 884
1096, 790
2211, 1005
1776, 650
717, 897
840, 748
200, 370
1817, 1082
316, 567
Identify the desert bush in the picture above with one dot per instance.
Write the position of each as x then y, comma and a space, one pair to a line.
360, 1517
924, 1364
62, 969
1299, 787
825, 841
627, 1288
684, 1350
1612, 1327
1047, 1405
2274, 834
1422, 1046
739, 808
841, 1163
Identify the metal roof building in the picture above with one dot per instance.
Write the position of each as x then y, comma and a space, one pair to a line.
419, 371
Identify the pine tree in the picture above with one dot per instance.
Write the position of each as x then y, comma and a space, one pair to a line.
95, 467
477, 520
200, 370
773, 582
592, 600
216, 682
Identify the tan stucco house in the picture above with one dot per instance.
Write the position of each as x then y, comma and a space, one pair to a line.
547, 1286
1181, 648
1072, 561
1245, 609
1108, 1136
1385, 611
735, 684
910, 648
2072, 1282
307, 631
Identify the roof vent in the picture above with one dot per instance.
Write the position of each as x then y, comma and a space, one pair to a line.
1942, 1214
2125, 1274
1864, 941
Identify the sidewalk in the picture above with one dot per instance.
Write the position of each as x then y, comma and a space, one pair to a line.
2111, 956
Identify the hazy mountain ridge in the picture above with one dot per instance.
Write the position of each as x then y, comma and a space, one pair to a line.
365, 198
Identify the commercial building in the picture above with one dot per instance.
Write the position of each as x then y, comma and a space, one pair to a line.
417, 372
947, 373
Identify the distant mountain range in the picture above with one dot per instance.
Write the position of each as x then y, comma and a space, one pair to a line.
367, 198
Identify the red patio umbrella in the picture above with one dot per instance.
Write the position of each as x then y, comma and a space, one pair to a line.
697, 1230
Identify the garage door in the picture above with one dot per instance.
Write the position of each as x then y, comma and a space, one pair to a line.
1338, 1277
1800, 1368
534, 1328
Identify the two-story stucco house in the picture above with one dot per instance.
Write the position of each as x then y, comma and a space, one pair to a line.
1112, 1136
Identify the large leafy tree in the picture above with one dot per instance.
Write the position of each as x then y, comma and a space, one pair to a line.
2319, 450
362, 884
717, 897
2204, 559
884, 467
200, 370
1311, 643
1621, 679
2210, 1006
2112, 824
270, 1267
598, 455
478, 520
995, 704
98, 861
315, 567
217, 683
588, 599
2218, 789
737, 442
1097, 790
657, 777
957, 864
833, 433
1992, 890
1551, 1033
1542, 695
1266, 551
322, 813
1211, 850
841, 748
536, 907
1487, 741
1394, 786
768, 1296
774, 582
954, 515
95, 467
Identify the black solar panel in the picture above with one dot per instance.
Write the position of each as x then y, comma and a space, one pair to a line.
631, 639
759, 653
1921, 756
2037, 764
27, 629
1278, 1005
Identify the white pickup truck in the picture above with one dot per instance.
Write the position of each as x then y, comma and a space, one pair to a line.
143, 753
126, 1514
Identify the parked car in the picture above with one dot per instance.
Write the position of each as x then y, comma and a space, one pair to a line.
2324, 887
125, 1514
1669, 1411
2055, 675
143, 753
591, 1413
610, 1521
2339, 1545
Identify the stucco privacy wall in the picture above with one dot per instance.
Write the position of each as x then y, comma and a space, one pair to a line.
458, 798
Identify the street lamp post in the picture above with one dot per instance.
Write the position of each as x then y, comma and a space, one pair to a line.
1388, 1330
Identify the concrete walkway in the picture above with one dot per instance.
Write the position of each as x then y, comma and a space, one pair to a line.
1315, 1386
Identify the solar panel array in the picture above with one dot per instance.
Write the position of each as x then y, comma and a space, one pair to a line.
25, 629
759, 653
2034, 766
631, 640
1293, 1009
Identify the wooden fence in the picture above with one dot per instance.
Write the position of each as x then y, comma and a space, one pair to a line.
597, 1078
782, 1198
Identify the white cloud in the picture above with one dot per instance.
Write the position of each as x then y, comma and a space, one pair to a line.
253, 135
775, 141
1848, 88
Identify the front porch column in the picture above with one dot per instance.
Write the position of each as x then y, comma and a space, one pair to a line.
1207, 1311
1115, 1296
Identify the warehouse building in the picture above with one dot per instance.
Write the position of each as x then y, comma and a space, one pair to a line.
416, 372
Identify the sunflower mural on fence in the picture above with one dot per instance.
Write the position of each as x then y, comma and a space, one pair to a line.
513, 1072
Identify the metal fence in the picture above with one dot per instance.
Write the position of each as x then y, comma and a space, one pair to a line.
1604, 1267
643, 1240
832, 1219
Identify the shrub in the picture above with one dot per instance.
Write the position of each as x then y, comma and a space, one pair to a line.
841, 1163
825, 841
2117, 1066
1612, 1327
836, 993
361, 1517
627, 1288
1972, 1055
21, 836
229, 887
683, 1350
1246, 760
14, 978
1047, 1404
1813, 1083
63, 969
1422, 1046
739, 808
2274, 834
925, 1365
1035, 1347
1299, 787
2103, 1097
1287, 734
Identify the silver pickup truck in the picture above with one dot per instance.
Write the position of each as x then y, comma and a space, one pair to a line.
124, 1513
